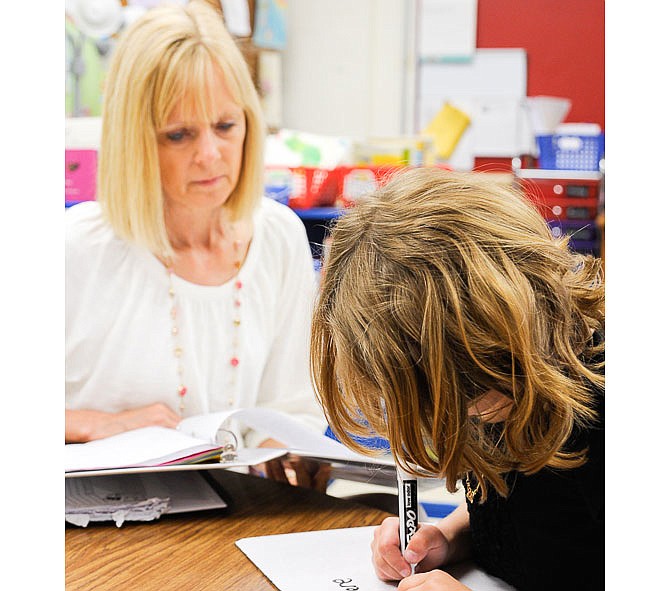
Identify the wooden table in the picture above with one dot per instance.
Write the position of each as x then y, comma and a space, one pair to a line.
197, 551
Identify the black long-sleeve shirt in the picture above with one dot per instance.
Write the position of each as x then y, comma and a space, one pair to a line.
549, 533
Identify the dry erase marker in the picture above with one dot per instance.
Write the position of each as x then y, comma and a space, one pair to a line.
408, 508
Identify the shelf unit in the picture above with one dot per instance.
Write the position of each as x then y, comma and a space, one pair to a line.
572, 202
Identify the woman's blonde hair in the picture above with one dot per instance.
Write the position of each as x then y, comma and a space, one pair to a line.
170, 53
436, 289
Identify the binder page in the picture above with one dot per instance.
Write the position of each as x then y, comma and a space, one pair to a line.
298, 438
245, 457
148, 446
336, 559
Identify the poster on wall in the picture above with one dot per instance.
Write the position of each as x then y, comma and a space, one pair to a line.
270, 24
447, 29
85, 65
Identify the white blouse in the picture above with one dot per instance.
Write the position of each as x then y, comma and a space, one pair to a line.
119, 346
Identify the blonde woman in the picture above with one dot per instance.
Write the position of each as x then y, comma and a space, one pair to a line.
455, 325
187, 291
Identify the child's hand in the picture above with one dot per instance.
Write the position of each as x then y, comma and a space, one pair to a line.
428, 548
435, 580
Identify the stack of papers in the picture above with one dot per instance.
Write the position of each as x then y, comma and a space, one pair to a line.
107, 499
118, 511
141, 497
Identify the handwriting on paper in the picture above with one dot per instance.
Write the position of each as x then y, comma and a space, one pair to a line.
346, 584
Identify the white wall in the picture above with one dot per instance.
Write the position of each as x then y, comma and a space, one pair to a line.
347, 67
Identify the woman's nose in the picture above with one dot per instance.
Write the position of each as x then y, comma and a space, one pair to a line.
207, 147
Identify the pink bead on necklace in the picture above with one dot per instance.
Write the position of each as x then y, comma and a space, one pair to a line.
177, 350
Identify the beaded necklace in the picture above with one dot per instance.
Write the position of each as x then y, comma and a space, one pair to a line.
177, 350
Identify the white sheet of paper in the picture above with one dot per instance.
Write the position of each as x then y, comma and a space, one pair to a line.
313, 561
317, 560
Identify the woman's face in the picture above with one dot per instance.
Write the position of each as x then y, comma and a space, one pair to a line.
200, 160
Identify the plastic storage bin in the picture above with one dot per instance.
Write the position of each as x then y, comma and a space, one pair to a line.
358, 181
570, 151
584, 235
304, 187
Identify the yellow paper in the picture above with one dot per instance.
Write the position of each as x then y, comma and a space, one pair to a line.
446, 129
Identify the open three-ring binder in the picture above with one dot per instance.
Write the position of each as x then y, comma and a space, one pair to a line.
133, 474
208, 441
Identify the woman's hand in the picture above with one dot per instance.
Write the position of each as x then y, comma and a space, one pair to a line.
294, 470
435, 580
86, 425
299, 472
428, 549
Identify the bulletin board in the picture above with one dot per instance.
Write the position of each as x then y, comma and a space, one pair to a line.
490, 88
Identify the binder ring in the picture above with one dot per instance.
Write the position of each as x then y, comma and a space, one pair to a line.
228, 441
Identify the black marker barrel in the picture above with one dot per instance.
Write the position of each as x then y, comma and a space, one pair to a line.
408, 507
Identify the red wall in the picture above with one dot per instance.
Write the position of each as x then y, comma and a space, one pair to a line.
565, 45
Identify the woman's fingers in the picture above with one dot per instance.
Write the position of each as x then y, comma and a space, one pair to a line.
310, 474
295, 470
274, 470
322, 478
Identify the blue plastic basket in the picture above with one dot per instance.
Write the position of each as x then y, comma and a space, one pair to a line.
570, 152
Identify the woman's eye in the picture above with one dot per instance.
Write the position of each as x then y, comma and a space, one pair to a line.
225, 126
176, 136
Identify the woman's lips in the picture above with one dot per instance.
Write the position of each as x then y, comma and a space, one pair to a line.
208, 182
